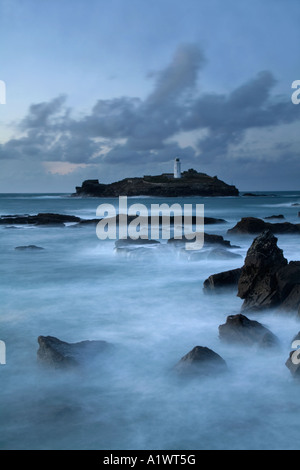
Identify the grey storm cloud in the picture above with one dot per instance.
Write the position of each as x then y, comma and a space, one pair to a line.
131, 130
228, 117
181, 75
42, 115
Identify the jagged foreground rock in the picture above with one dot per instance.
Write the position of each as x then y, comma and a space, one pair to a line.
266, 280
238, 329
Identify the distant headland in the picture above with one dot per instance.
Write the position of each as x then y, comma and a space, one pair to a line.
177, 184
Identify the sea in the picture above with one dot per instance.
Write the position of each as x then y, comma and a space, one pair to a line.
149, 304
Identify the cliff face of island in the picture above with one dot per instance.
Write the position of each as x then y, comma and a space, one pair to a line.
191, 183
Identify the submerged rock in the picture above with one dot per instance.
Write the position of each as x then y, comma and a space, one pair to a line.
132, 242
42, 219
60, 355
239, 329
258, 195
219, 253
86, 222
215, 254
280, 216
201, 361
29, 248
209, 239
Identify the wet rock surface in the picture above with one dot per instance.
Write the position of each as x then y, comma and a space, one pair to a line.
252, 226
267, 280
238, 329
59, 354
224, 280
201, 361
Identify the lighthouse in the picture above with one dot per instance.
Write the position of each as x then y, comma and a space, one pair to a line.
177, 168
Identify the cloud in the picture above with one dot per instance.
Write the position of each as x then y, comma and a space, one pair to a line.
229, 117
179, 77
42, 115
133, 133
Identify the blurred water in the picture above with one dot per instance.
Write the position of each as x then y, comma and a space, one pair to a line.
153, 310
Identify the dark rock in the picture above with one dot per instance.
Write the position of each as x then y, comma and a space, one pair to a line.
212, 254
220, 253
224, 280
252, 225
201, 361
39, 220
29, 248
239, 329
15, 215
127, 242
60, 355
280, 216
196, 184
211, 221
86, 222
209, 239
50, 219
267, 280
257, 283
147, 220
258, 195
249, 225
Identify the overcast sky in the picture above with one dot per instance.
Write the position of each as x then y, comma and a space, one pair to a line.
107, 89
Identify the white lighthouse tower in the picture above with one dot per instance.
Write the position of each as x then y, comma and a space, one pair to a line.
177, 168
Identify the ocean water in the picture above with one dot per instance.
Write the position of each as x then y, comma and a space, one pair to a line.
150, 305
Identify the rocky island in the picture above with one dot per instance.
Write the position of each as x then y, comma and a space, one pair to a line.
190, 183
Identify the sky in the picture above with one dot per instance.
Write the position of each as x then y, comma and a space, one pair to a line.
108, 89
